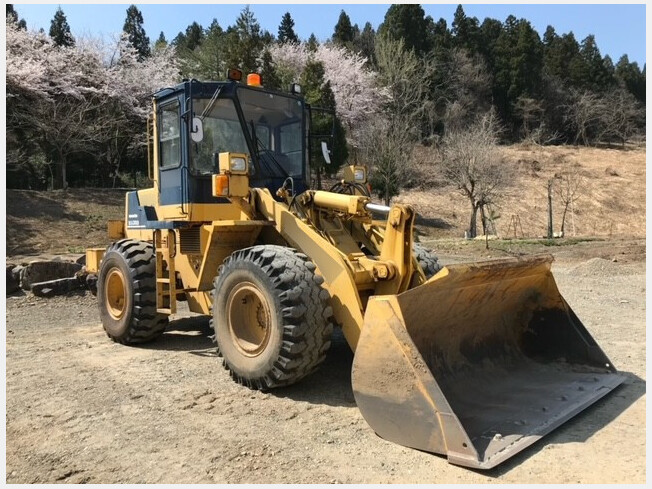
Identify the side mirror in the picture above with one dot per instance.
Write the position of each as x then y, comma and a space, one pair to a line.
326, 152
197, 130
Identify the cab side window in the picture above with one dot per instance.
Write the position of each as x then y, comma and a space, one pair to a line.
170, 135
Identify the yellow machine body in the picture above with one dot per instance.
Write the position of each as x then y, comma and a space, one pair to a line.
475, 363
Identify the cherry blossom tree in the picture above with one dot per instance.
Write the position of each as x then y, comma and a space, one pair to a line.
77, 99
357, 95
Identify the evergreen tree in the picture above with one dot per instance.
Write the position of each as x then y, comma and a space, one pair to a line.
267, 37
609, 66
312, 43
194, 36
408, 22
286, 30
595, 75
270, 78
133, 28
551, 61
549, 37
441, 36
518, 67
356, 35
630, 76
365, 41
206, 60
528, 62
318, 93
487, 37
465, 30
245, 42
60, 30
343, 34
503, 75
562, 56
12, 16
161, 42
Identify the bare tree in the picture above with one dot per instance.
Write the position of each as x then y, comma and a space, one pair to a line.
621, 117
530, 111
407, 79
387, 147
583, 115
388, 140
541, 136
466, 92
568, 189
471, 161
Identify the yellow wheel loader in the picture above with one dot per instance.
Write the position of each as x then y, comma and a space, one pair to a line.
473, 361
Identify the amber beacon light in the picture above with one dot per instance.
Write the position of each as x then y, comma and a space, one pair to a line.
253, 79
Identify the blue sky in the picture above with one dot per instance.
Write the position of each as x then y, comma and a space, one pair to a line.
618, 29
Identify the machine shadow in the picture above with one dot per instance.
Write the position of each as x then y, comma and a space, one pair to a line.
191, 334
330, 384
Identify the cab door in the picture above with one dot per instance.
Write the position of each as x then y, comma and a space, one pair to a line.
173, 168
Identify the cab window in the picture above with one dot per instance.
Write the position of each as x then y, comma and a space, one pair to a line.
222, 132
170, 135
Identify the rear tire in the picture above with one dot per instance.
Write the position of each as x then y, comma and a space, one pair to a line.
427, 260
126, 292
271, 317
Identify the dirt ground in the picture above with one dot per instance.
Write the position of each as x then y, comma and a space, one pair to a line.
81, 408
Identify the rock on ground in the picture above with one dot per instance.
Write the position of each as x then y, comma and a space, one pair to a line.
43, 271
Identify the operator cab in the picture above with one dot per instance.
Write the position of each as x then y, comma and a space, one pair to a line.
199, 120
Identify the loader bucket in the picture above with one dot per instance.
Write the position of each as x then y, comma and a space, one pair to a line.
477, 363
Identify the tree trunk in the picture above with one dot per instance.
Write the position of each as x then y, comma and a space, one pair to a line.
387, 196
64, 165
563, 218
483, 220
473, 230
550, 209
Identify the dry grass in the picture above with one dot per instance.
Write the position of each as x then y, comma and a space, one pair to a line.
612, 203
60, 221
611, 200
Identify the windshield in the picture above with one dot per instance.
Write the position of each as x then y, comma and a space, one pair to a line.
221, 133
275, 122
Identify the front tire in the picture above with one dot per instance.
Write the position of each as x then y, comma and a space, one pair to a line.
126, 292
271, 316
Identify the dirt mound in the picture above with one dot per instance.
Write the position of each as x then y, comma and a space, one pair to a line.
599, 267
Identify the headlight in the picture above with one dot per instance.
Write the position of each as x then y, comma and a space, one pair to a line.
358, 175
238, 164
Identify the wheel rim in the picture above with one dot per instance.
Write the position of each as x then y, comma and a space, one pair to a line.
116, 294
249, 319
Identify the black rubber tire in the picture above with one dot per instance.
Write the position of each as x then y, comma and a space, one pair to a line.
135, 261
427, 260
299, 316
